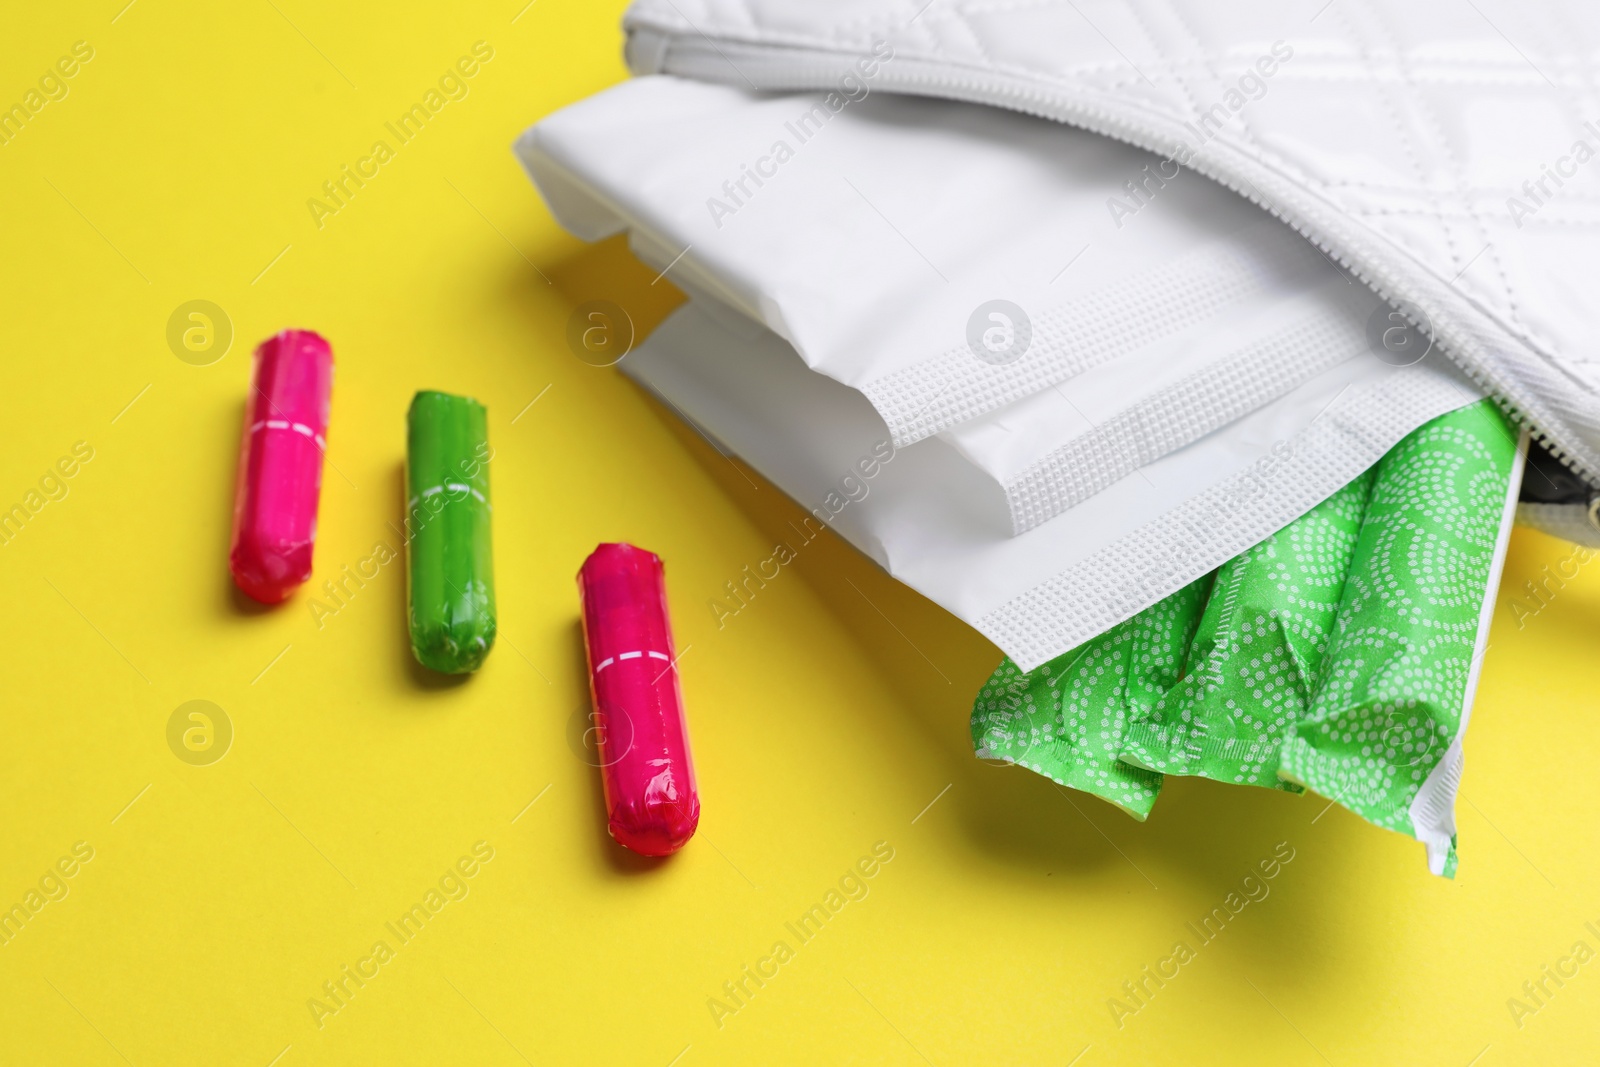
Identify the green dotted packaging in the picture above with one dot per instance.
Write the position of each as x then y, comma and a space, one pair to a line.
1383, 733
1253, 664
1340, 655
1065, 719
450, 577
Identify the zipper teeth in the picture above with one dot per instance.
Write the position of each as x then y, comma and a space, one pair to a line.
1095, 119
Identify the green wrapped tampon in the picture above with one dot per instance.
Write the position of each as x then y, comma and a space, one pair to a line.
450, 579
1064, 720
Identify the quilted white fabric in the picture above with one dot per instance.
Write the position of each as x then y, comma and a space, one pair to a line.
1444, 153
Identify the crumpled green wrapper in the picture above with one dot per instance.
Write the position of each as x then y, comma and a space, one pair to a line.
1339, 655
1065, 719
1384, 731
1255, 659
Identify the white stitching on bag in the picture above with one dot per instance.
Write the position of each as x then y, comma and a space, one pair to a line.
1453, 164
1402, 134
1212, 67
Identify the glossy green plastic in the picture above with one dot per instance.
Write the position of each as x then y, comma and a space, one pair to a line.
450, 574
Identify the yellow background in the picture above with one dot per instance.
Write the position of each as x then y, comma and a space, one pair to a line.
826, 717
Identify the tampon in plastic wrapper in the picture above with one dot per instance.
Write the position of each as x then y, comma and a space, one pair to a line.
652, 805
280, 465
450, 578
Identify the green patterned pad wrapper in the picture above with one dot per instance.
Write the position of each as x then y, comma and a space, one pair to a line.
1254, 661
1065, 719
1340, 655
1383, 734
450, 587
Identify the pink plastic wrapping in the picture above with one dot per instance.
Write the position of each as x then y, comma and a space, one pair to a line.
652, 805
280, 465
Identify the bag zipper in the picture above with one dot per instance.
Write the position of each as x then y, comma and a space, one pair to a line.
654, 49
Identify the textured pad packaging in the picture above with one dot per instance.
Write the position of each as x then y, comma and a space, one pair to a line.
1065, 720
1383, 734
926, 516
1254, 662
450, 579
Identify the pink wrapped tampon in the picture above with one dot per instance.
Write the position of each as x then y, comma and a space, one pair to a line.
642, 741
280, 465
